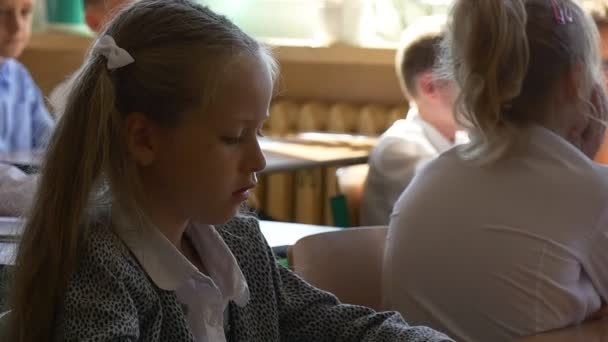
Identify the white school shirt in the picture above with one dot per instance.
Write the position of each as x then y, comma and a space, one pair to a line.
494, 253
393, 162
203, 298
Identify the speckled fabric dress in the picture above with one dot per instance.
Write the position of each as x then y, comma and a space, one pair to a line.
110, 298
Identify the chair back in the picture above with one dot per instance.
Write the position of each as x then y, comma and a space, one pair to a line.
347, 263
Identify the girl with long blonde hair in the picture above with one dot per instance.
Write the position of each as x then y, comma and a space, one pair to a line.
158, 145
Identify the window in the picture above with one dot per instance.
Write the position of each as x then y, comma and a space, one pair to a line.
320, 22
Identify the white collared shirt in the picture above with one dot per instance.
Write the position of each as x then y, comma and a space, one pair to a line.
496, 252
393, 162
204, 298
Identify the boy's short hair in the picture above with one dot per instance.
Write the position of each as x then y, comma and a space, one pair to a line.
418, 51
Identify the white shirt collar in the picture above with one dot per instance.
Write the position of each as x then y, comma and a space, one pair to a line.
538, 140
548, 141
439, 142
169, 269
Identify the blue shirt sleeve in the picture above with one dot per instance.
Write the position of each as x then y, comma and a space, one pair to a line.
25, 123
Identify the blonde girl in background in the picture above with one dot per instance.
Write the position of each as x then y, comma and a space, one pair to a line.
516, 222
157, 145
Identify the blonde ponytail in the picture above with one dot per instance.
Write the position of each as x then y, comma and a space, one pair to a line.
490, 40
507, 57
55, 225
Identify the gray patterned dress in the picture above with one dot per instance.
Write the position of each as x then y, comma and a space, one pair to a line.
110, 298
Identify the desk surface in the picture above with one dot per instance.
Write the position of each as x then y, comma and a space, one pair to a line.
276, 233
596, 331
286, 233
306, 150
22, 158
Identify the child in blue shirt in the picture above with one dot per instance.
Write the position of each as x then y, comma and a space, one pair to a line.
25, 123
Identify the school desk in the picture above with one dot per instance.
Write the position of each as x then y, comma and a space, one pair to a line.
278, 234
301, 151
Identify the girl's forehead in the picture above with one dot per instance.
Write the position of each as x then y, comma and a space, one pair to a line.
242, 94
246, 66
245, 77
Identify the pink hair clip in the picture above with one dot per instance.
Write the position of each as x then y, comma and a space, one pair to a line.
561, 14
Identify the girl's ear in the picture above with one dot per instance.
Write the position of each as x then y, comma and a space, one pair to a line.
141, 138
593, 137
587, 128
599, 101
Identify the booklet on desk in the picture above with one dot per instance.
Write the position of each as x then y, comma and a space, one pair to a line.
10, 228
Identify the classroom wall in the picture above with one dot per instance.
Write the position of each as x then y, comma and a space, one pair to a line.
332, 74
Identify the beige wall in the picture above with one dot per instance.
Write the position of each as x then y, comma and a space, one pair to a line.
332, 74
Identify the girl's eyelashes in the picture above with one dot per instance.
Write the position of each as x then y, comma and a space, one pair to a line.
233, 140
230, 140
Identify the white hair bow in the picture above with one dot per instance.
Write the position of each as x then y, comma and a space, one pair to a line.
117, 57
